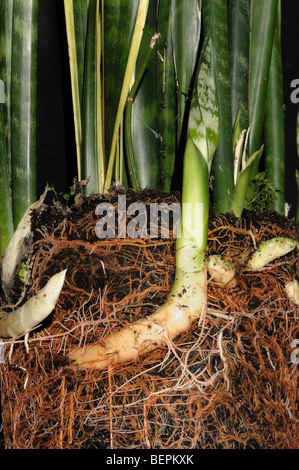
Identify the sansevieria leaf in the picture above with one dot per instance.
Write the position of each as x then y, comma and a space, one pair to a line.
23, 102
161, 106
186, 28
180, 54
90, 165
263, 23
6, 216
130, 56
166, 96
6, 8
204, 126
215, 19
118, 26
274, 123
239, 34
262, 28
144, 118
6, 219
238, 196
76, 25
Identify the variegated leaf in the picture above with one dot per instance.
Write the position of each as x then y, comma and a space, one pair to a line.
203, 124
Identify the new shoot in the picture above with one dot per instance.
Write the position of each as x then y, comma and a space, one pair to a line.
223, 273
24, 319
292, 291
268, 251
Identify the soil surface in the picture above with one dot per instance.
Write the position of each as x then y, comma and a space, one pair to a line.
230, 382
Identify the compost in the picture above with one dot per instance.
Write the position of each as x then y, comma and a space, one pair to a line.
229, 383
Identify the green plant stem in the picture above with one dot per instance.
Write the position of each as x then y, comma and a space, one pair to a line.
23, 101
191, 246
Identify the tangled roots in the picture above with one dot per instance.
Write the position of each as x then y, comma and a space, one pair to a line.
230, 383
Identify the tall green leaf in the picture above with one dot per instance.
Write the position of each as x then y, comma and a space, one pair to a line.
144, 118
6, 8
80, 24
274, 124
203, 124
215, 21
263, 23
243, 180
6, 218
76, 25
262, 27
166, 96
140, 166
118, 26
115, 40
23, 101
89, 164
161, 103
186, 27
239, 33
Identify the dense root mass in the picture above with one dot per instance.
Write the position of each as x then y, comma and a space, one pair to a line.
229, 383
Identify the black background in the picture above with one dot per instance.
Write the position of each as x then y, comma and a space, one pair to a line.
56, 155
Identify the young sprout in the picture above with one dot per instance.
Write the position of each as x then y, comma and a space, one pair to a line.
21, 321
268, 251
292, 291
221, 271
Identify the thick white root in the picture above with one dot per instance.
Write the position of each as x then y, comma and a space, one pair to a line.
175, 316
221, 271
34, 311
268, 251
